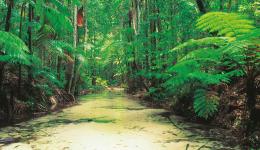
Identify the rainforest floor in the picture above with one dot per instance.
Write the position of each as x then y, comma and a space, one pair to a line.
112, 121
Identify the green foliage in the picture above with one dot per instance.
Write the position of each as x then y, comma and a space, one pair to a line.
227, 24
58, 20
60, 47
191, 45
198, 62
13, 49
155, 44
205, 105
48, 75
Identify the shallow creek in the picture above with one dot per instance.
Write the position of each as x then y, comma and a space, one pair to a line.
109, 121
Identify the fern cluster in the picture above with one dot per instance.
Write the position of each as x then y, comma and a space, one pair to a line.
199, 62
13, 49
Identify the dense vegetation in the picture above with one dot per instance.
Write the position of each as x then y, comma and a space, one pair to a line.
200, 57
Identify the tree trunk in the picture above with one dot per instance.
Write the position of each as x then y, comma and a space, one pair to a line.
70, 65
20, 66
86, 26
30, 16
251, 101
221, 5
229, 6
58, 67
153, 26
77, 69
7, 29
8, 16
146, 30
201, 6
9, 99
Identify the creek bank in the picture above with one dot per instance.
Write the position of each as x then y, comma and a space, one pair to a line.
24, 112
213, 127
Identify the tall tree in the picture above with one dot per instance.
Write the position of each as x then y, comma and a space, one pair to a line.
71, 64
201, 6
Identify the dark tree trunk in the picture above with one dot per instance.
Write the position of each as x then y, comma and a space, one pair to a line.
9, 99
58, 67
229, 5
20, 66
30, 16
221, 5
153, 40
10, 106
201, 6
251, 101
146, 44
75, 77
7, 29
8, 16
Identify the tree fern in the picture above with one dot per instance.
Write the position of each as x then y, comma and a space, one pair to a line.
205, 104
198, 61
62, 47
61, 7
58, 20
13, 49
56, 17
48, 75
182, 49
227, 24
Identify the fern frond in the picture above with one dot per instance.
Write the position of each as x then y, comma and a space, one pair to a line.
225, 24
60, 22
191, 45
13, 49
205, 105
61, 7
47, 74
63, 46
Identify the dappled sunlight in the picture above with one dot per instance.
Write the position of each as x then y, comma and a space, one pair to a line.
108, 121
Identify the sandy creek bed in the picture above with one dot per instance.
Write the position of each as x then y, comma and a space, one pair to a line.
109, 121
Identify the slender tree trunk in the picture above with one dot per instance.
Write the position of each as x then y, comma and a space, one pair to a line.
8, 16
77, 69
146, 30
30, 16
59, 67
201, 6
153, 32
7, 29
153, 40
70, 65
93, 63
229, 6
251, 100
20, 66
76, 76
221, 5
10, 99
86, 25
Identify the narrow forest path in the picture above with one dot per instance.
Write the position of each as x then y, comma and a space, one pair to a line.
109, 121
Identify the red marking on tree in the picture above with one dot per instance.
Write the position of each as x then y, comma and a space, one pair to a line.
80, 19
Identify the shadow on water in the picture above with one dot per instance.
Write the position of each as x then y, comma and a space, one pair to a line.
31, 131
25, 132
198, 132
